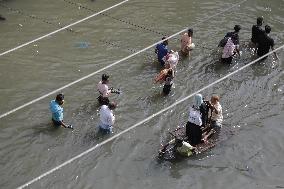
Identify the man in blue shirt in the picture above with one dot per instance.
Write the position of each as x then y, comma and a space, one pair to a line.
57, 111
162, 50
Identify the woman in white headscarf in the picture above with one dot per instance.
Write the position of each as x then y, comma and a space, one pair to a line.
193, 126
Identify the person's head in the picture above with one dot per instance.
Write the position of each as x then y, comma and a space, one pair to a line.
259, 21
190, 32
112, 105
170, 72
237, 28
198, 100
215, 99
166, 42
267, 29
60, 99
105, 78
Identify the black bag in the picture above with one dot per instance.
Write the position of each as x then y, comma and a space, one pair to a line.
223, 42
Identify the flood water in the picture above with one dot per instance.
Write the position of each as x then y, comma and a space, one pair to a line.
249, 156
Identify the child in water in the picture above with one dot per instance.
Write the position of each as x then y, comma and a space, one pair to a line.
166, 75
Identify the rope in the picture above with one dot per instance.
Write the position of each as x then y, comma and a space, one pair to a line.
143, 121
104, 68
63, 28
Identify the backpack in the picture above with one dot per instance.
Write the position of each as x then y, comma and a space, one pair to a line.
223, 42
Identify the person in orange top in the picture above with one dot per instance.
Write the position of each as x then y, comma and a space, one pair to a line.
186, 42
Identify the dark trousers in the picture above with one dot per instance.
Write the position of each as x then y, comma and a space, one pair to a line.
227, 60
56, 123
103, 100
193, 133
167, 89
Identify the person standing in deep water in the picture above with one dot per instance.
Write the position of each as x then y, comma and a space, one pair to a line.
230, 50
168, 82
107, 117
57, 111
104, 90
186, 42
194, 123
256, 32
265, 43
162, 50
236, 31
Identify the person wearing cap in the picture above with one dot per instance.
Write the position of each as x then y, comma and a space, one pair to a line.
265, 43
107, 117
257, 31
186, 42
104, 90
57, 111
230, 50
162, 50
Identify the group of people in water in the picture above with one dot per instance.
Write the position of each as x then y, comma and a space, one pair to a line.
205, 117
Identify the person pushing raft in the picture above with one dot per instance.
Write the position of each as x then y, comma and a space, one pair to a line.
195, 137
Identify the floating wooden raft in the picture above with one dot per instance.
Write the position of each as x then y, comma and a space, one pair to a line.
180, 133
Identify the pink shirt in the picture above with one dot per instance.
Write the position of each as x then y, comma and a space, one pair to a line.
185, 42
103, 89
229, 49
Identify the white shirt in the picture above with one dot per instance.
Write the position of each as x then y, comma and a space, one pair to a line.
194, 117
172, 59
106, 116
103, 89
229, 49
217, 117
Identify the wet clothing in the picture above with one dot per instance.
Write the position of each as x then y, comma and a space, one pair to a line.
204, 110
227, 60
168, 84
256, 33
56, 123
230, 34
185, 44
264, 44
171, 59
193, 133
103, 89
193, 126
57, 112
162, 50
218, 118
107, 119
228, 51
103, 100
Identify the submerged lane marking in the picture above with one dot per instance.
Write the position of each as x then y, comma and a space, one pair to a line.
63, 28
113, 64
143, 121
